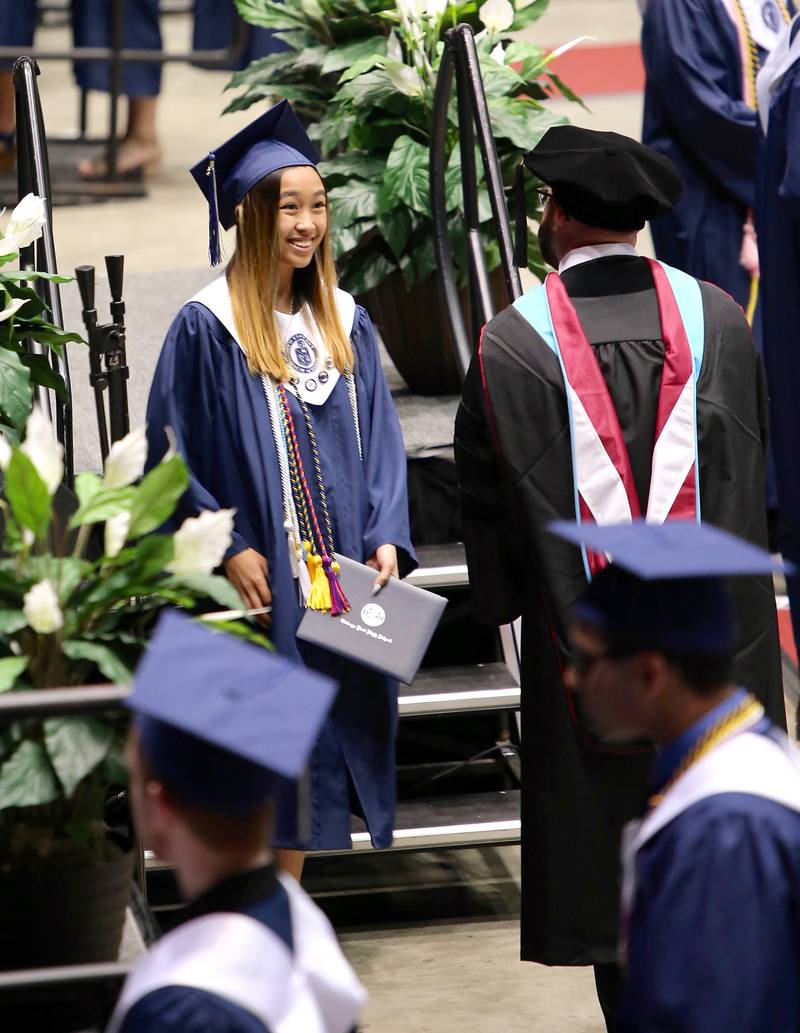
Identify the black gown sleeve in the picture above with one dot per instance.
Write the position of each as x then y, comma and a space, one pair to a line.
488, 534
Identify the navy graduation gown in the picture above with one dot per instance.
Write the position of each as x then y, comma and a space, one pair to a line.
91, 28
214, 24
696, 115
777, 215
202, 389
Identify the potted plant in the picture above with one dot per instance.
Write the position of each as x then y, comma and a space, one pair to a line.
68, 619
71, 615
362, 73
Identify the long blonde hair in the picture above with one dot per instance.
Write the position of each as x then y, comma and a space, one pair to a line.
253, 282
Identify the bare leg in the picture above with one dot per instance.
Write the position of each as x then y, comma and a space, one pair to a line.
8, 149
290, 861
139, 148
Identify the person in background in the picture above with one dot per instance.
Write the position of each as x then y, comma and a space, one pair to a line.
710, 924
777, 214
218, 724
271, 380
702, 58
91, 25
618, 388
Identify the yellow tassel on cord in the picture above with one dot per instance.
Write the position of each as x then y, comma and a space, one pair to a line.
753, 300
320, 596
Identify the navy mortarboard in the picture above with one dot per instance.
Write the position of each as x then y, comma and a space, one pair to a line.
220, 720
601, 179
275, 140
665, 588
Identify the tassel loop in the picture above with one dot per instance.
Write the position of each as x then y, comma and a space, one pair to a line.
521, 220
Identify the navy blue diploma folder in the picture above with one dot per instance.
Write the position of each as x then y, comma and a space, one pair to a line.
388, 632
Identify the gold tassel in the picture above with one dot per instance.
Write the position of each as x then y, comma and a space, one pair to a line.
320, 596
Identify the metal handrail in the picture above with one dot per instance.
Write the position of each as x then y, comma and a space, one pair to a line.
82, 699
33, 176
460, 59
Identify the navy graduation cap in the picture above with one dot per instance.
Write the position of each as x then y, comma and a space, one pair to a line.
665, 587
275, 140
220, 721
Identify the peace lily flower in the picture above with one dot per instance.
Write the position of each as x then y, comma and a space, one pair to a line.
41, 609
497, 15
498, 54
411, 9
436, 8
125, 460
43, 450
393, 48
200, 542
6, 451
116, 533
25, 224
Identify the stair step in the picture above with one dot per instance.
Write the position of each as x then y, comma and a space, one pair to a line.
468, 820
440, 566
458, 690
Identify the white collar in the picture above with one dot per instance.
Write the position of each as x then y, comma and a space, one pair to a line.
764, 20
590, 252
783, 56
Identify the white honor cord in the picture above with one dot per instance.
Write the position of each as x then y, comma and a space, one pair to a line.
291, 524
351, 390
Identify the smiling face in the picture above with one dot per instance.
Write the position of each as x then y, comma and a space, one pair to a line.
302, 216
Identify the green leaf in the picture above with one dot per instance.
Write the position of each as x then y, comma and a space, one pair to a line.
522, 122
528, 59
11, 667
241, 630
26, 778
103, 505
365, 270
76, 745
16, 391
369, 90
530, 14
348, 54
106, 659
406, 173
12, 621
158, 495
87, 486
17, 275
355, 200
211, 586
42, 373
394, 223
353, 163
27, 494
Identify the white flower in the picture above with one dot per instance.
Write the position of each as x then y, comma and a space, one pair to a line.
25, 224
497, 15
6, 452
404, 78
393, 48
125, 460
116, 533
12, 308
436, 8
498, 54
43, 450
522, 4
200, 542
41, 609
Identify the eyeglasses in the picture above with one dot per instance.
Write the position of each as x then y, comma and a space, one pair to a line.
544, 196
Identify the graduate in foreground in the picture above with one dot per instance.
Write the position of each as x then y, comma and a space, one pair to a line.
219, 725
710, 925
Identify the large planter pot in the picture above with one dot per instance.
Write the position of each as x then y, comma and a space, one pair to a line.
414, 327
64, 916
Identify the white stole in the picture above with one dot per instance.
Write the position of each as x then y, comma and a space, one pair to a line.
237, 958
783, 56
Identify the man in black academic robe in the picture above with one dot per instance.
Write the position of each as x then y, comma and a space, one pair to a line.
515, 461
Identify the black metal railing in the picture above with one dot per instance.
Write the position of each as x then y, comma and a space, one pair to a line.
33, 176
460, 61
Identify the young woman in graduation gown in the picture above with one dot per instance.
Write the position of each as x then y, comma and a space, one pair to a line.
270, 379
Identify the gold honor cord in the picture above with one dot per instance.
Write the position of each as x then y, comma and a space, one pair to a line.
747, 713
750, 75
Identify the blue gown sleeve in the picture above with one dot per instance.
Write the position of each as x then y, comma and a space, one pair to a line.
790, 185
384, 453
688, 68
182, 1009
713, 938
185, 396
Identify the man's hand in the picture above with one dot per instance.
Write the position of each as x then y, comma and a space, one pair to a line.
248, 572
384, 560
